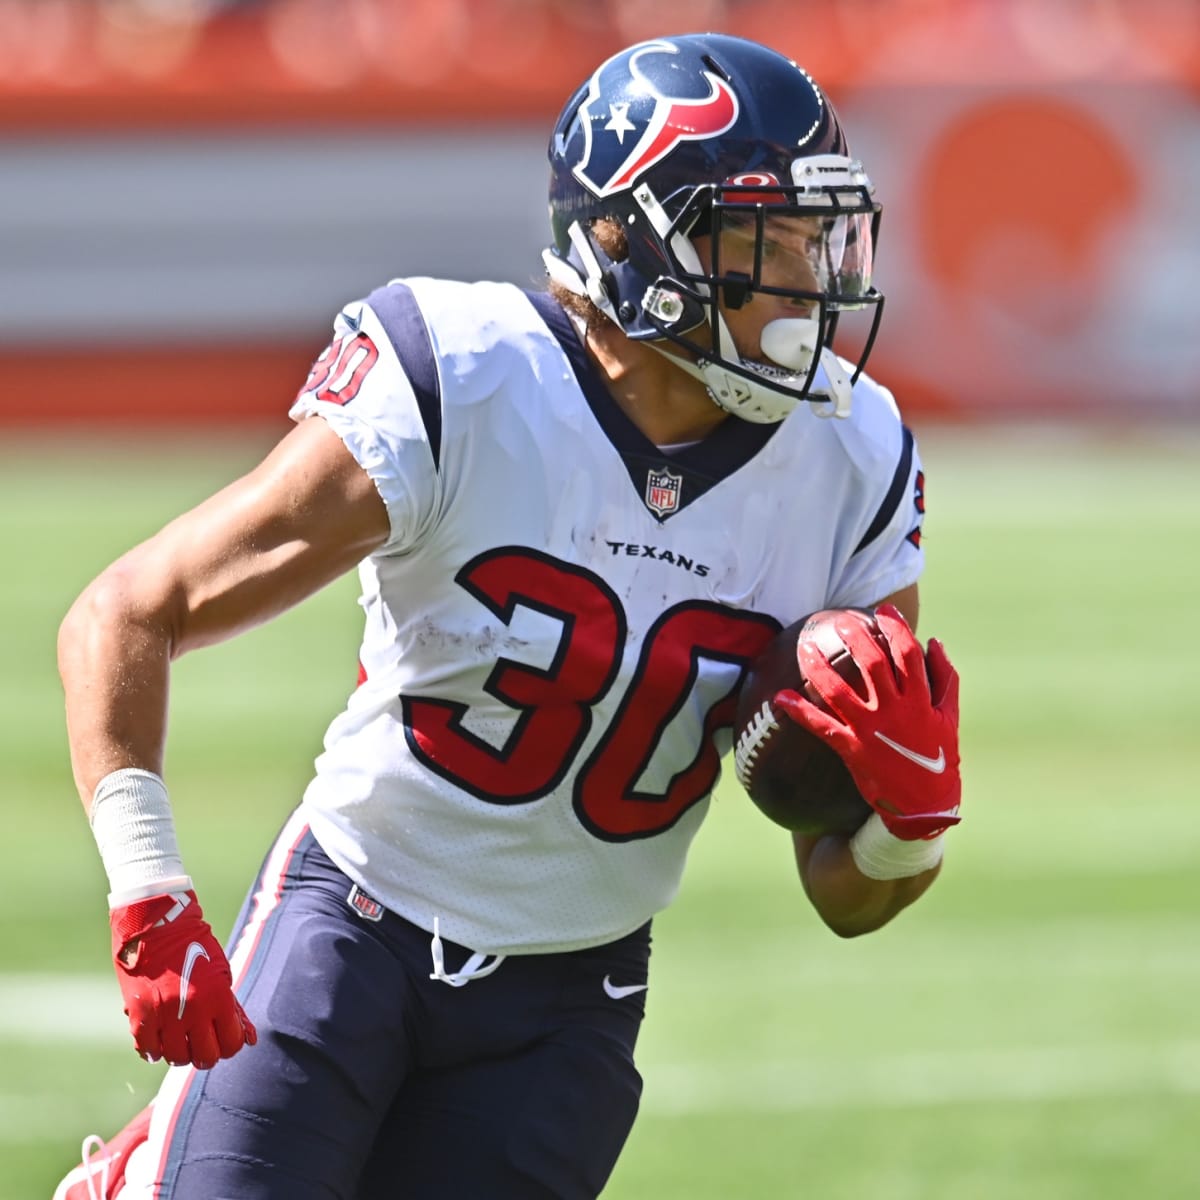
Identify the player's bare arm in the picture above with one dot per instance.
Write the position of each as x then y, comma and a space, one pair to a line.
848, 901
303, 517
306, 515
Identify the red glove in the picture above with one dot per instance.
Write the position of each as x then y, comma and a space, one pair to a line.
176, 983
900, 744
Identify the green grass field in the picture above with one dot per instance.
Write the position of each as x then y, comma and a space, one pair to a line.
1031, 1029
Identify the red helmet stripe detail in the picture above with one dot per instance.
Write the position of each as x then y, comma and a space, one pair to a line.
753, 179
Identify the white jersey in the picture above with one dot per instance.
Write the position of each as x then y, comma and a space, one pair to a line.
558, 622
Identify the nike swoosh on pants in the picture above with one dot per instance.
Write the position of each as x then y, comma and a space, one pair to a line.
617, 991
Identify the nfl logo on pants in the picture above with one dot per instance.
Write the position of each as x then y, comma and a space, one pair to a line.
366, 906
662, 491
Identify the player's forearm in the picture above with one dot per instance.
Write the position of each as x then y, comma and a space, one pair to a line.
847, 901
113, 657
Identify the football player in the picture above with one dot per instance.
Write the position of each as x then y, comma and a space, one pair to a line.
576, 516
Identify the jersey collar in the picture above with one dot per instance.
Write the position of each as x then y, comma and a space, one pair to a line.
702, 465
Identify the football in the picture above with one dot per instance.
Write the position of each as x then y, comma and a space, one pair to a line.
794, 777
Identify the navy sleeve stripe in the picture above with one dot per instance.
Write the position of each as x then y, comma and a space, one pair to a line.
398, 311
895, 493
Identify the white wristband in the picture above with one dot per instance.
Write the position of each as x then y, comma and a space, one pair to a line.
879, 854
132, 824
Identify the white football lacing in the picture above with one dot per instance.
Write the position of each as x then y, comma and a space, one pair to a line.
751, 741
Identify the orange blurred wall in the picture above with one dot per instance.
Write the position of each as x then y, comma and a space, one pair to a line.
1036, 162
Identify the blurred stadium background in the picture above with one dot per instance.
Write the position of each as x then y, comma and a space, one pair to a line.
189, 189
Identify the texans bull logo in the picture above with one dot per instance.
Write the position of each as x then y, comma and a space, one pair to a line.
658, 121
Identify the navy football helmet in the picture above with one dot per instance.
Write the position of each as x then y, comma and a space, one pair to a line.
695, 136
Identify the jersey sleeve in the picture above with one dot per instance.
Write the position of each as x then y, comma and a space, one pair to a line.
363, 387
887, 555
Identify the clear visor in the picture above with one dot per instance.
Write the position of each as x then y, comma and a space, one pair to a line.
805, 254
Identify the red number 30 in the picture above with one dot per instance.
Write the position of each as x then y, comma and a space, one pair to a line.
556, 704
339, 372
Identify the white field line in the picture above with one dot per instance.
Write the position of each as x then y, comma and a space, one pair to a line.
58, 1009
908, 1080
1018, 1075
61, 1009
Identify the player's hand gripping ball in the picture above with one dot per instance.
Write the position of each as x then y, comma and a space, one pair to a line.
792, 775
861, 687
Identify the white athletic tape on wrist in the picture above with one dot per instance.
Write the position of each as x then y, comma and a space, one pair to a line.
879, 854
135, 832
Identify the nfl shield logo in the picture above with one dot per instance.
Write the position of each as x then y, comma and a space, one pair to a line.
364, 905
662, 491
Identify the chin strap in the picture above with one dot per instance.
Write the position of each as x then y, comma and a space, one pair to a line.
732, 392
792, 342
760, 404
832, 387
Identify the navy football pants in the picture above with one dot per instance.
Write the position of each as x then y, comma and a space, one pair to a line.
370, 1081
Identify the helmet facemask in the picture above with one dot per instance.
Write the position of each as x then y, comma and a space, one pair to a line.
810, 246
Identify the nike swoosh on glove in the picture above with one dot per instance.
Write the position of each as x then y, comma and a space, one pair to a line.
176, 983
900, 741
